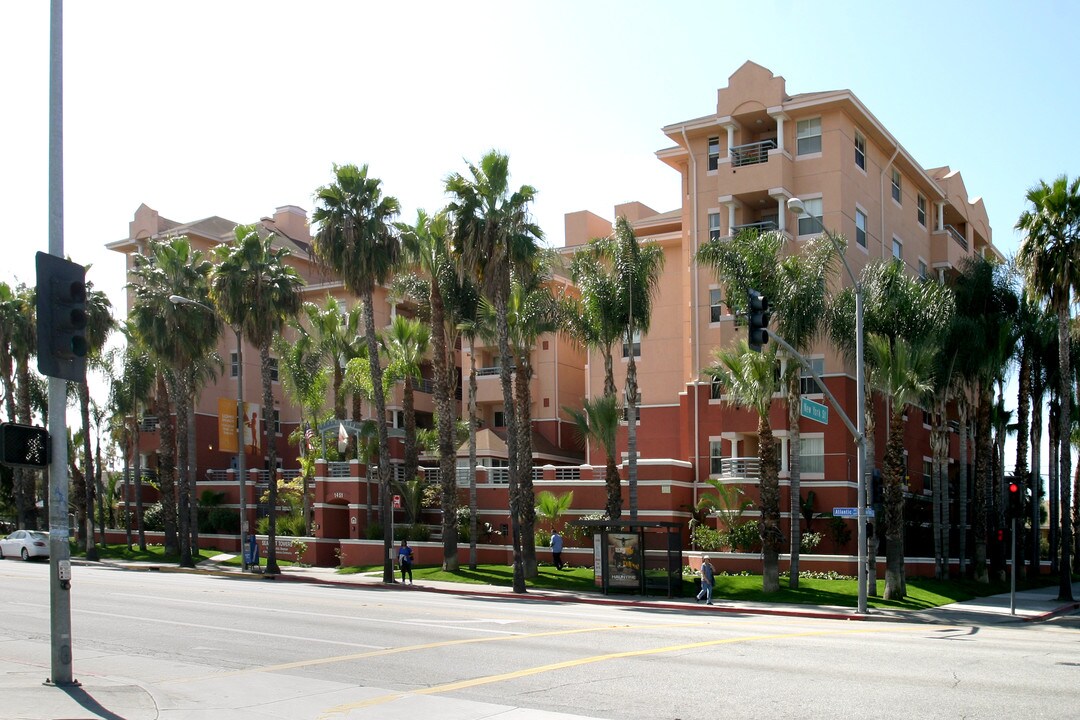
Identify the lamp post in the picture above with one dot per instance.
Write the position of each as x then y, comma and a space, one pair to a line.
796, 206
240, 470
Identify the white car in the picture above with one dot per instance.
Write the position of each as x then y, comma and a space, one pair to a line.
25, 544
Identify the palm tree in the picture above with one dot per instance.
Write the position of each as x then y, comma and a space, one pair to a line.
493, 235
356, 239
130, 392
637, 269
331, 332
426, 246
598, 421
99, 323
471, 328
305, 379
18, 340
176, 338
801, 306
406, 342
750, 379
1050, 252
256, 290
903, 373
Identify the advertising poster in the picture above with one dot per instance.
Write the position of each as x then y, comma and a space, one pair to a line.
624, 560
226, 410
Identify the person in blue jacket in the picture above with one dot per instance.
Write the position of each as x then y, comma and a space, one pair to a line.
707, 577
404, 559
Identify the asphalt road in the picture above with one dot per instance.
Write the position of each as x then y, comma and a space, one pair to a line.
336, 652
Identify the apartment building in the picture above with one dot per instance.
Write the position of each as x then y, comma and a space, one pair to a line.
738, 166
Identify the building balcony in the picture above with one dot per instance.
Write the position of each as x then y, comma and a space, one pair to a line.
761, 226
753, 153
736, 468
947, 248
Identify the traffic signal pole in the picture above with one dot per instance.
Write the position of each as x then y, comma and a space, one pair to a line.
59, 550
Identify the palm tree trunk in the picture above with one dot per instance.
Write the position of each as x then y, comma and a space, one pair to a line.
88, 470
411, 463
379, 399
962, 488
939, 489
794, 398
446, 424
631, 431
1054, 432
189, 461
129, 449
1035, 482
982, 474
178, 390
893, 502
138, 486
512, 435
1023, 409
527, 497
24, 479
1064, 347
472, 455
166, 465
270, 434
872, 539
769, 489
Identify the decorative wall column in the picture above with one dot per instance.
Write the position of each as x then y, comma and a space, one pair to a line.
731, 126
779, 117
781, 196
940, 215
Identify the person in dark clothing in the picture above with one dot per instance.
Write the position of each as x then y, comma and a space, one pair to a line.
404, 559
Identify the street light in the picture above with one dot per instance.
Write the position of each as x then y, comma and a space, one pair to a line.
796, 206
180, 300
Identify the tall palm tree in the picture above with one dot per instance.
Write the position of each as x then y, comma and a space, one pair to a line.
598, 421
256, 290
176, 338
426, 247
471, 328
903, 373
1050, 252
99, 323
356, 239
801, 306
750, 379
329, 326
493, 235
638, 269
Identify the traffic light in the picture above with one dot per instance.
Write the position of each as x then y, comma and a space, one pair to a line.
758, 317
24, 446
61, 318
1016, 500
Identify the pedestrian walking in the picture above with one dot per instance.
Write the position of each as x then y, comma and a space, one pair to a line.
707, 575
404, 560
556, 549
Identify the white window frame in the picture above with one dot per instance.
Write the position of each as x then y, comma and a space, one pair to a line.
716, 454
712, 158
712, 220
716, 304
897, 249
807, 131
860, 151
274, 370
860, 213
920, 209
812, 463
234, 364
897, 181
495, 414
924, 271
807, 384
636, 343
811, 204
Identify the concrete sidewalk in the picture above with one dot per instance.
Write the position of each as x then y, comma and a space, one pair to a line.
115, 686
1030, 605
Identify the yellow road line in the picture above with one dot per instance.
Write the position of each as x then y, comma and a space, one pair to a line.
488, 679
425, 646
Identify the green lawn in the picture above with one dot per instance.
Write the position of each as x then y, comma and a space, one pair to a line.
922, 592
156, 553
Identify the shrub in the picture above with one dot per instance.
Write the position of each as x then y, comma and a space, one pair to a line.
744, 537
373, 531
809, 540
542, 538
707, 538
154, 517
223, 520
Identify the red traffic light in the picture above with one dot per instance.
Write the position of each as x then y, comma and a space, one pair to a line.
1014, 489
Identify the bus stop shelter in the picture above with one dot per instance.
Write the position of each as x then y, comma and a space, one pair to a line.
638, 556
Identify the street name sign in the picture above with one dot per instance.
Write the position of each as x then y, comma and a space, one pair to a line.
814, 411
851, 512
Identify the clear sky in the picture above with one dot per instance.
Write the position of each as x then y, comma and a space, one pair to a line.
201, 108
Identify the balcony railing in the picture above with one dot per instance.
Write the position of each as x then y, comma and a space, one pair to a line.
736, 467
762, 226
424, 385
752, 153
337, 469
568, 473
149, 423
957, 236
487, 371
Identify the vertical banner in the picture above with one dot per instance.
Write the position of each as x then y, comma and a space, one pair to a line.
226, 410
624, 560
